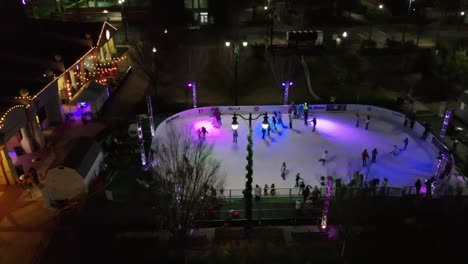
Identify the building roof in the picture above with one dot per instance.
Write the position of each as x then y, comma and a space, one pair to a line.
28, 49
82, 155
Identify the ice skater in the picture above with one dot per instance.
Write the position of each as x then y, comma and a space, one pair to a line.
204, 132
374, 155
199, 134
364, 157
290, 121
405, 123
280, 119
263, 133
283, 171
314, 122
306, 113
412, 121
235, 134
273, 121
358, 120
324, 157
405, 142
268, 129
367, 122
395, 151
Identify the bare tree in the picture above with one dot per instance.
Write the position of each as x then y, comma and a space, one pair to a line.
144, 55
184, 173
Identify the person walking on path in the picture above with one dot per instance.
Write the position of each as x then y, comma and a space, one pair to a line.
265, 190
364, 157
298, 178
301, 187
405, 141
306, 192
235, 135
417, 185
273, 121
367, 122
358, 120
283, 171
315, 194
314, 122
257, 192
272, 189
374, 155
405, 124
324, 157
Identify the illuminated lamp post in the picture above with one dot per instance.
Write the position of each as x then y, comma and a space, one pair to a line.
286, 85
445, 125
124, 17
380, 7
193, 86
236, 50
149, 105
406, 24
462, 18
141, 143
249, 167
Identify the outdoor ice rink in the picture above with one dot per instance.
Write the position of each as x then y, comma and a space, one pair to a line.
301, 149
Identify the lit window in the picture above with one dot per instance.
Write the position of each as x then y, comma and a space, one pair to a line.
203, 17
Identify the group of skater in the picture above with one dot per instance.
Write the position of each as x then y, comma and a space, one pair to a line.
298, 111
266, 191
358, 121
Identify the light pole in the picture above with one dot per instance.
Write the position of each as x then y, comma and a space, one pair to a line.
380, 7
248, 184
154, 50
286, 85
406, 24
124, 17
236, 51
193, 86
462, 17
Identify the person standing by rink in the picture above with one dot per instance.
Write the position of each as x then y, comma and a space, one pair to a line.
314, 122
265, 190
374, 155
418, 185
324, 157
283, 171
405, 124
364, 157
405, 141
358, 120
234, 136
367, 122
306, 113
272, 189
257, 192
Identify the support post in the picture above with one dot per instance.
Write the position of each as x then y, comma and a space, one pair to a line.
150, 114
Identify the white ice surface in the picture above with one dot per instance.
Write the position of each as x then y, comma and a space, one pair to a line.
301, 148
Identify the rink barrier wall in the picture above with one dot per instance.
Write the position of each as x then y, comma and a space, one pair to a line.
363, 110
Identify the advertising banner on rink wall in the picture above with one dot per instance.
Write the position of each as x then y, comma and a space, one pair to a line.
336, 107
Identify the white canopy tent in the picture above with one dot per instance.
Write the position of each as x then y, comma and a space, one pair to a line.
61, 184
